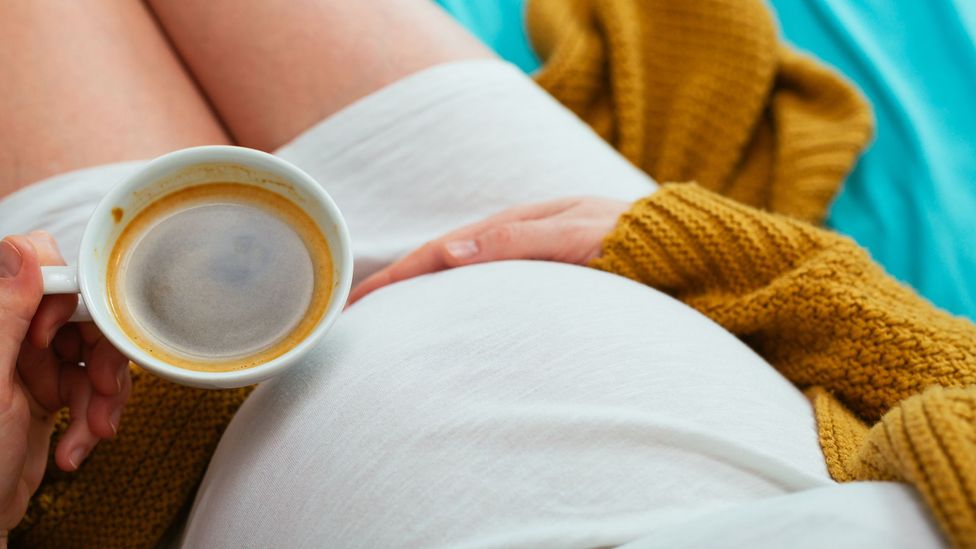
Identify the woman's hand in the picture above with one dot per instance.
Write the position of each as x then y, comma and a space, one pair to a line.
40, 373
569, 231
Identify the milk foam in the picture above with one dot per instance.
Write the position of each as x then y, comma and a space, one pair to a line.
217, 281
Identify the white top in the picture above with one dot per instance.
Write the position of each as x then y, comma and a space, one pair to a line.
534, 404
515, 404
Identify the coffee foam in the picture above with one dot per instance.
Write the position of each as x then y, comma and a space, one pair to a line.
219, 277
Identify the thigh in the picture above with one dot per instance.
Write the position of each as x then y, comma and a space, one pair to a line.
272, 69
86, 83
449, 146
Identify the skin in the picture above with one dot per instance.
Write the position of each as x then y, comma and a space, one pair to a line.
87, 83
567, 231
273, 69
38, 381
84, 83
132, 80
39, 374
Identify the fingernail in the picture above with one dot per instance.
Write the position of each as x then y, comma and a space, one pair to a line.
462, 249
76, 457
114, 419
119, 376
10, 260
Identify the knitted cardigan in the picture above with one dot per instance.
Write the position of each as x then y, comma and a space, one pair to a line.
688, 91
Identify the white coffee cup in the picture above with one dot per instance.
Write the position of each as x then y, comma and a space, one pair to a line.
170, 173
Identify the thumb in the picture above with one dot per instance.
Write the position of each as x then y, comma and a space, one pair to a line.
521, 240
21, 290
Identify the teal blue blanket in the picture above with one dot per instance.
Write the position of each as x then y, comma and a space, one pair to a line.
911, 200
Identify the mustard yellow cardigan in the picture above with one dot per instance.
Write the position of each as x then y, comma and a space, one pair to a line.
688, 91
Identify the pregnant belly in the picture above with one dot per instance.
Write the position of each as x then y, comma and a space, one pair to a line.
514, 399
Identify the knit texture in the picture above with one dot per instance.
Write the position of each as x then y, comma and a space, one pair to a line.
703, 91
812, 303
131, 488
687, 91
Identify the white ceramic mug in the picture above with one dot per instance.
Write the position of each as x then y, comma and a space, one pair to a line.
175, 171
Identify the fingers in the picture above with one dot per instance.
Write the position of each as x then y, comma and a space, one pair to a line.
107, 372
431, 257
40, 372
105, 412
426, 259
528, 240
68, 344
38, 442
369, 285
54, 310
519, 240
78, 440
106, 366
20, 294
96, 393
568, 230
531, 212
93, 417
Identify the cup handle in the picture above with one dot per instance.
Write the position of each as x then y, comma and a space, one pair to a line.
59, 279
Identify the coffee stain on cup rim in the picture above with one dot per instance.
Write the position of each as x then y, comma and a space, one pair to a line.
118, 214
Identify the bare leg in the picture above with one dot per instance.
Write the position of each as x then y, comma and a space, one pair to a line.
273, 69
84, 83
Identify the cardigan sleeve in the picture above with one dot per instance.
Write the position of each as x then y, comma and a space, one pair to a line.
810, 301
890, 376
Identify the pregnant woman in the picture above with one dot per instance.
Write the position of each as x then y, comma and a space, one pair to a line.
506, 403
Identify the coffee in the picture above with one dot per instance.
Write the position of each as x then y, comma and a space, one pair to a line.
220, 276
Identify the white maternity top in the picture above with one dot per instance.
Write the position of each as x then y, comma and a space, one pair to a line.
515, 404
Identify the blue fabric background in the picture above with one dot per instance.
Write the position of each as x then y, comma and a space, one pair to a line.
498, 23
911, 199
